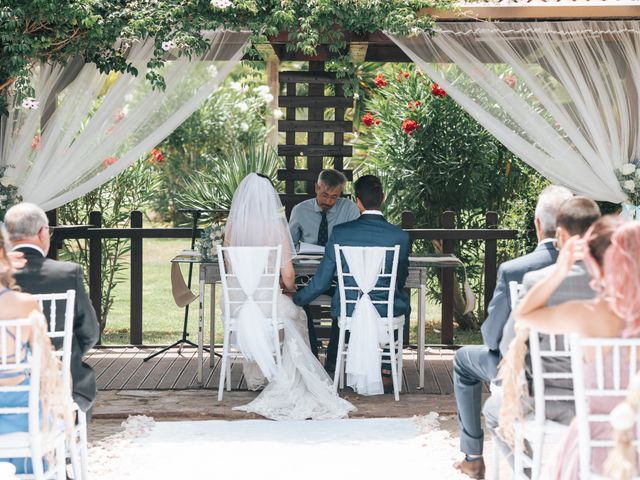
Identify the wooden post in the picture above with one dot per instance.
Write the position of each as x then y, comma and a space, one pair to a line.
274, 87
135, 315
95, 265
52, 216
448, 246
407, 221
490, 261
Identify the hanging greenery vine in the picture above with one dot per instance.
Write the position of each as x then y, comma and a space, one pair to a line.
102, 30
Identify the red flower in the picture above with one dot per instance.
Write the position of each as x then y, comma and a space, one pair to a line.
377, 121
35, 143
107, 162
380, 81
368, 119
406, 74
510, 80
398, 78
156, 156
418, 103
409, 126
410, 105
437, 91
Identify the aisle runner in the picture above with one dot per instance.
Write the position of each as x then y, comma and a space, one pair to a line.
250, 449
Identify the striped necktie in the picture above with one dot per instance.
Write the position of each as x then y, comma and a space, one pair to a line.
323, 231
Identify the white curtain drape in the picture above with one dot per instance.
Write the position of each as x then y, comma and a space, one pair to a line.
366, 332
102, 123
562, 96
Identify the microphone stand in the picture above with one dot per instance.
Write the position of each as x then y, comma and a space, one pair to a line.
195, 216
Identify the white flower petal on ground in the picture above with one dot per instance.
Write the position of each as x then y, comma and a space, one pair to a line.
628, 169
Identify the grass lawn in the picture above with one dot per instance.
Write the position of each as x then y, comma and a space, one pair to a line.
162, 319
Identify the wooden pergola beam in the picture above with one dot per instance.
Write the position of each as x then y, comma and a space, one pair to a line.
533, 10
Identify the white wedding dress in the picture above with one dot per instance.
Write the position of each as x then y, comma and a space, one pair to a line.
299, 389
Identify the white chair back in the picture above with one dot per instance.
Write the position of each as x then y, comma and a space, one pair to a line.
60, 328
15, 357
250, 278
609, 382
372, 273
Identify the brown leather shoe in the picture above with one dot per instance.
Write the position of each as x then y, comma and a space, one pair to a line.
473, 469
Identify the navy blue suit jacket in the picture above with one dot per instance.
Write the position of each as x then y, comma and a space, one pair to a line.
499, 307
370, 230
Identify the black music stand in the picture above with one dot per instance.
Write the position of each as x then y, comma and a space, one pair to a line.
195, 216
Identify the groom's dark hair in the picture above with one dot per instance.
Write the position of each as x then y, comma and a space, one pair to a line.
368, 189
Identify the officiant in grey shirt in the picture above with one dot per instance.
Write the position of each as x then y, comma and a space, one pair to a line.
312, 221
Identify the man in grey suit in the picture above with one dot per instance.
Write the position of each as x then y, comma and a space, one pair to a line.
28, 229
475, 364
575, 217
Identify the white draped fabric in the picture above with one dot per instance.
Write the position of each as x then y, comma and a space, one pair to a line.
366, 330
102, 123
562, 96
254, 333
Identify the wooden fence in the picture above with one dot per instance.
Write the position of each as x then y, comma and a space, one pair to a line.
94, 233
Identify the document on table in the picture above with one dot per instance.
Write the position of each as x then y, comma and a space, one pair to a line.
305, 248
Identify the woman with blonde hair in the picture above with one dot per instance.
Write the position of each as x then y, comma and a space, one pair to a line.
16, 305
615, 312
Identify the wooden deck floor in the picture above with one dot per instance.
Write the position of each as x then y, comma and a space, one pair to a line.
122, 368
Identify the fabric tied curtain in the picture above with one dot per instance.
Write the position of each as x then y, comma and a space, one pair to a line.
254, 336
367, 329
90, 126
562, 96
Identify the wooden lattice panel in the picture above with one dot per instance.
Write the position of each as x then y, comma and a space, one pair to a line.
315, 126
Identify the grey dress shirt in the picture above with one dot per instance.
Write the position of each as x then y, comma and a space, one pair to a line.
305, 218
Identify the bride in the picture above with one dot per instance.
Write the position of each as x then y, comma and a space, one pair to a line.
300, 389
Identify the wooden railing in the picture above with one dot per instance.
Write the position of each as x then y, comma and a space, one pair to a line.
94, 233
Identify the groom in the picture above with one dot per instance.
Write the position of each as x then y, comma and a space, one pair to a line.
370, 230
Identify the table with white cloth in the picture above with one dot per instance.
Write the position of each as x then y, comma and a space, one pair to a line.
209, 274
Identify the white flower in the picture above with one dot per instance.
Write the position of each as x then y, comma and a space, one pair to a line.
628, 169
629, 185
356, 96
244, 126
213, 70
237, 86
267, 97
262, 90
30, 103
243, 107
622, 417
221, 4
277, 114
638, 173
168, 45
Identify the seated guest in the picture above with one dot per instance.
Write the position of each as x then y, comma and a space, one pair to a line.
14, 306
614, 313
28, 229
575, 217
312, 221
370, 230
475, 364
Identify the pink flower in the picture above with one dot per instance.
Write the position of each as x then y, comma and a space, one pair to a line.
35, 143
107, 162
510, 80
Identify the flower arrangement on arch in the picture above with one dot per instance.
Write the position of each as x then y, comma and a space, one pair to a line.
629, 177
210, 238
